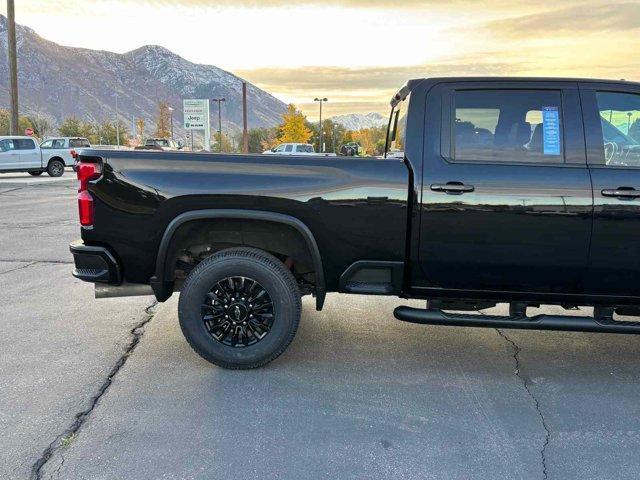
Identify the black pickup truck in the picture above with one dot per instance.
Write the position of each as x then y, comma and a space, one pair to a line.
516, 190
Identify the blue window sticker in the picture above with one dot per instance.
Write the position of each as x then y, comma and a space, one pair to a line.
551, 130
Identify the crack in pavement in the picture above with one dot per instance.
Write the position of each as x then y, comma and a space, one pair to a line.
527, 387
20, 267
30, 260
63, 439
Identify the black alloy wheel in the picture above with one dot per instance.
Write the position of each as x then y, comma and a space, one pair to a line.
238, 312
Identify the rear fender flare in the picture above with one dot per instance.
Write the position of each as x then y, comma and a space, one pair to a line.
159, 283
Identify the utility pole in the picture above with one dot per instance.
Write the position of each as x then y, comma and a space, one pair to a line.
321, 100
245, 130
219, 100
13, 66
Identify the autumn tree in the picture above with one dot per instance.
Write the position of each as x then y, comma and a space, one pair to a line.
293, 128
140, 128
163, 121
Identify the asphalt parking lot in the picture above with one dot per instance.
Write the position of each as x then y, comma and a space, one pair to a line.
109, 388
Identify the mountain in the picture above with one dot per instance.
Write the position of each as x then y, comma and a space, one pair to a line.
357, 121
60, 82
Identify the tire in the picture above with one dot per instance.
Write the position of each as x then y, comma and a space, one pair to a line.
35, 174
204, 285
55, 168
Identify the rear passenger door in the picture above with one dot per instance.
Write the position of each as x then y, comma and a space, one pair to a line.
29, 153
612, 121
506, 198
9, 155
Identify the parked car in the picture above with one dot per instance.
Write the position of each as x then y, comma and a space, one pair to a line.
23, 154
295, 149
492, 190
62, 148
160, 144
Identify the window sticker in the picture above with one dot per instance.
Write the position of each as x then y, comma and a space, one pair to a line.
551, 130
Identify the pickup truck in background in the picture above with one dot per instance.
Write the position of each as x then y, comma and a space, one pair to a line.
23, 154
62, 149
296, 149
521, 191
165, 144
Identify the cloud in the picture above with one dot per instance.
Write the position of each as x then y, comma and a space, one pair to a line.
370, 78
588, 18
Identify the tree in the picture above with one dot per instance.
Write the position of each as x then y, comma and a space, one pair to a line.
371, 140
71, 127
107, 133
226, 143
23, 123
140, 128
41, 124
293, 128
261, 139
163, 121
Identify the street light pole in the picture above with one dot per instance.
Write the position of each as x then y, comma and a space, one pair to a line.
219, 100
13, 66
321, 100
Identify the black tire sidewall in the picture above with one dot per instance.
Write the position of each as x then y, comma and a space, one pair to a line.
50, 168
204, 278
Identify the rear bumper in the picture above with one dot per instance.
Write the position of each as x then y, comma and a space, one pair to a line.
95, 264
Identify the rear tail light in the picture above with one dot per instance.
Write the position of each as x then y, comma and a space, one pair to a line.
86, 172
85, 208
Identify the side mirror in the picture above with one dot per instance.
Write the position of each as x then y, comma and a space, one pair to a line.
180, 144
273, 150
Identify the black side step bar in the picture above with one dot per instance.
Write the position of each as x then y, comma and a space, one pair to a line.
538, 322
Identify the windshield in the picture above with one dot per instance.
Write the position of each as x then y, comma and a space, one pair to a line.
397, 131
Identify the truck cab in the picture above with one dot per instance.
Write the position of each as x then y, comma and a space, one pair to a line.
523, 187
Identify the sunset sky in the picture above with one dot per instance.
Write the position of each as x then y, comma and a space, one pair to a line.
357, 52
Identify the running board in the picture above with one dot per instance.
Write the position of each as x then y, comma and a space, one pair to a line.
538, 322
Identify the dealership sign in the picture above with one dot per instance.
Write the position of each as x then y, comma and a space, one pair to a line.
196, 114
196, 117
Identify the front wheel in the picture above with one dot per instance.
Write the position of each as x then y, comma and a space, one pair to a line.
55, 168
240, 308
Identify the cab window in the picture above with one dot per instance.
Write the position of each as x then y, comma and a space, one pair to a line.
620, 121
47, 144
288, 148
507, 126
58, 143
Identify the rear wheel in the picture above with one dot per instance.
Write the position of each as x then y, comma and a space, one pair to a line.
240, 308
55, 168
35, 174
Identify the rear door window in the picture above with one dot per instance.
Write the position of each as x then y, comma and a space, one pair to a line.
507, 126
24, 144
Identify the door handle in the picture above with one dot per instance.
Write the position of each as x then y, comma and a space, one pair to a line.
456, 188
624, 192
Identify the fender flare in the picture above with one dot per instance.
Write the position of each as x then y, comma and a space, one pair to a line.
161, 286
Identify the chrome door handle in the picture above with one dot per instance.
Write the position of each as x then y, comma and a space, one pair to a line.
624, 192
452, 187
